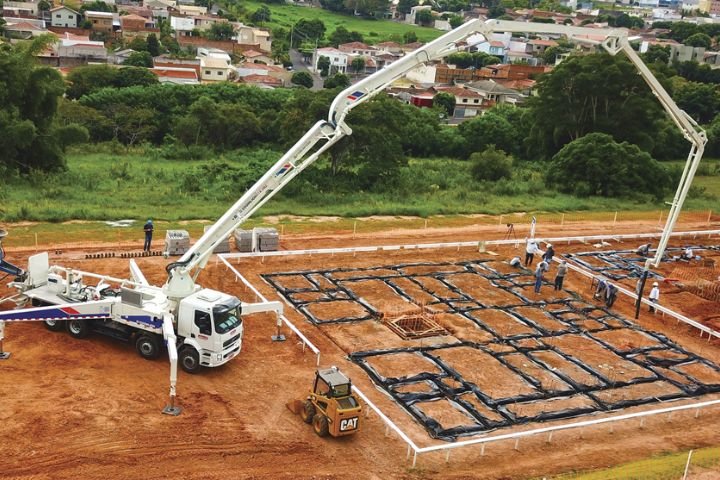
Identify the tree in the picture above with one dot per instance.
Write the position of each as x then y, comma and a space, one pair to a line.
72, 134
491, 164
489, 129
308, 30
367, 8
700, 100
591, 93
130, 76
132, 125
596, 165
338, 80
496, 11
89, 78
456, 20
405, 6
699, 40
261, 15
423, 17
221, 31
304, 79
153, 46
323, 64
96, 6
29, 97
138, 44
44, 5
550, 54
446, 102
656, 53
358, 64
341, 35
410, 37
139, 59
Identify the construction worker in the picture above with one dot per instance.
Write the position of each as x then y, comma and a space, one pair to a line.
539, 271
148, 234
515, 262
687, 254
560, 277
549, 254
654, 296
643, 250
530, 250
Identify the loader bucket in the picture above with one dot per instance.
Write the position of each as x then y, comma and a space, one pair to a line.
295, 406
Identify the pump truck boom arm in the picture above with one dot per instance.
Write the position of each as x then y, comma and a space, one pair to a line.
324, 134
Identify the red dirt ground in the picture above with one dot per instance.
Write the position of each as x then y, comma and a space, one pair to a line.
91, 409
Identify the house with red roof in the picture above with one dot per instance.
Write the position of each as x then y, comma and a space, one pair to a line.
182, 76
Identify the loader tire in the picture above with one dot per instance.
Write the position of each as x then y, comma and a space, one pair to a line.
320, 425
53, 325
308, 412
78, 328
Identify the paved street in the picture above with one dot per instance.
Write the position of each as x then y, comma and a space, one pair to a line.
299, 65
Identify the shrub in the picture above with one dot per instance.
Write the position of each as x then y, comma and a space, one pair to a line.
491, 164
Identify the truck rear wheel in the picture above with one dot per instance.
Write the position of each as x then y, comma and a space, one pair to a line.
78, 328
320, 425
148, 346
189, 359
53, 325
308, 412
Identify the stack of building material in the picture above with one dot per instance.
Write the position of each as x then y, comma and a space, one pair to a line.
257, 240
177, 242
243, 240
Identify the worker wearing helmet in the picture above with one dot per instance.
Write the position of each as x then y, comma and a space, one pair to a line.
549, 254
654, 296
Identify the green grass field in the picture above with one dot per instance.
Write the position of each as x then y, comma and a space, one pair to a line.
104, 187
373, 31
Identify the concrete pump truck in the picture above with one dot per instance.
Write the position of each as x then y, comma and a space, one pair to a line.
203, 327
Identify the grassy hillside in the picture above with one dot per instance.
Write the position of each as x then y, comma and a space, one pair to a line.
372, 30
105, 186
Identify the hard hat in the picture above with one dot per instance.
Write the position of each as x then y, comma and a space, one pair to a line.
655, 284
549, 245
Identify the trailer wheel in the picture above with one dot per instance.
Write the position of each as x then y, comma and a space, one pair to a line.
53, 325
189, 359
148, 346
308, 412
78, 328
320, 425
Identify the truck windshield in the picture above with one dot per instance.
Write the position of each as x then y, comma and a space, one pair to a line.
226, 317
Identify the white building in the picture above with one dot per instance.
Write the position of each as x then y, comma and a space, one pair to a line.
183, 26
214, 69
203, 52
338, 59
63, 17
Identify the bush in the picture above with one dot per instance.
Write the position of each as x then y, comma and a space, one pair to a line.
491, 165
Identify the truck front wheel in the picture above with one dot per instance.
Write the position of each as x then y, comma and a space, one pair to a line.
189, 359
148, 346
78, 328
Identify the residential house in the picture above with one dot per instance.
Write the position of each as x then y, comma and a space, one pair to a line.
64, 17
510, 71
22, 9
494, 92
686, 53
338, 59
204, 22
214, 69
411, 47
253, 37
357, 48
100, 21
520, 57
385, 58
389, 47
538, 46
71, 50
118, 57
22, 30
263, 81
205, 52
410, 17
144, 12
257, 57
421, 98
181, 76
163, 61
160, 8
183, 26
191, 10
136, 26
468, 103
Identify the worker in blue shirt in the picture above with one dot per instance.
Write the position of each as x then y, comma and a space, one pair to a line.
148, 234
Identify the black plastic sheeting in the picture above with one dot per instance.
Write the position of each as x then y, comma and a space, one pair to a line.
662, 360
622, 264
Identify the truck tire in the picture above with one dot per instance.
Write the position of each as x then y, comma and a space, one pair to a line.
320, 425
78, 328
308, 412
148, 346
189, 359
53, 325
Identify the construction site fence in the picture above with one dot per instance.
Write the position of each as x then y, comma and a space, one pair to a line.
413, 450
132, 237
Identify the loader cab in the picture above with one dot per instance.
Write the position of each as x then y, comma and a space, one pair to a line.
210, 325
331, 407
332, 383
